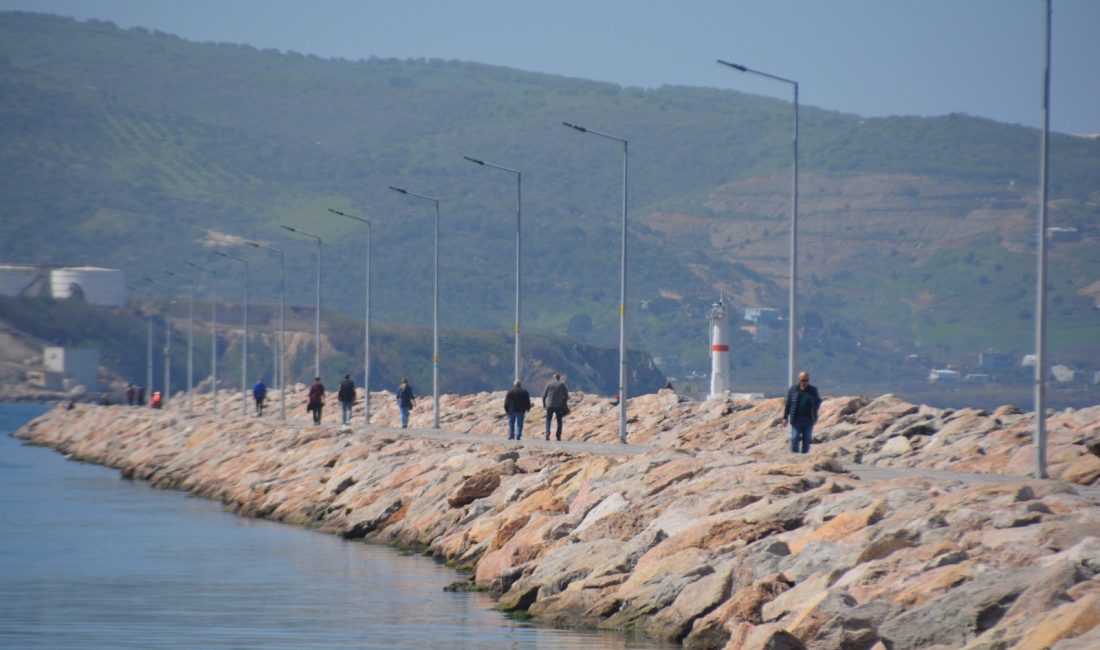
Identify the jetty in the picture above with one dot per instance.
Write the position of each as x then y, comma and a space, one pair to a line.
906, 526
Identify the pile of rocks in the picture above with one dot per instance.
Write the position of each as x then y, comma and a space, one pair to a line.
717, 537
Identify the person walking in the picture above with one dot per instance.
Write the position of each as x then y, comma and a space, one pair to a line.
516, 404
141, 395
800, 411
346, 395
556, 401
259, 394
131, 394
316, 399
405, 401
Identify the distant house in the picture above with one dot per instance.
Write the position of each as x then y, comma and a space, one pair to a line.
1063, 233
71, 367
762, 315
944, 376
976, 378
1063, 374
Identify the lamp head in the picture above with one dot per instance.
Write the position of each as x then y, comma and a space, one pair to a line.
398, 189
474, 160
733, 65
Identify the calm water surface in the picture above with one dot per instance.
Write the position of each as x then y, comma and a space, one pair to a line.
88, 560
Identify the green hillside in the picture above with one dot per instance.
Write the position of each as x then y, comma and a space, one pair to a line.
135, 149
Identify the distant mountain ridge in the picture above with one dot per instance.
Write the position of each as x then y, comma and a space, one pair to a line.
127, 147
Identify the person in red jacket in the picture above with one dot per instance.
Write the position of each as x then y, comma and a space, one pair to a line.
316, 399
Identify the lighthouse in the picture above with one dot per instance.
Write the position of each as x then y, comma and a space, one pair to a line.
719, 350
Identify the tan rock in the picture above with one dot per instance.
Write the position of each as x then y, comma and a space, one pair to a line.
841, 526
1068, 621
1084, 470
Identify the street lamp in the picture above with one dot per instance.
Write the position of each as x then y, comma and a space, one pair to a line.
1041, 290
281, 370
317, 323
622, 283
168, 342
148, 347
244, 343
213, 333
519, 245
190, 340
435, 305
793, 322
366, 328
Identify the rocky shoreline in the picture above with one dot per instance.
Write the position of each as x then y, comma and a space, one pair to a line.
707, 532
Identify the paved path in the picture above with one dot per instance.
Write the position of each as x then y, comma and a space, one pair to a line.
865, 472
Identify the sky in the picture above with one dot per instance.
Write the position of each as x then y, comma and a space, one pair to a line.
869, 57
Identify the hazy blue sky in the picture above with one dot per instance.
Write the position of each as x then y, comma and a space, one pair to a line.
872, 57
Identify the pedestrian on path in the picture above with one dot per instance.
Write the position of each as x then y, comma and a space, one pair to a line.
800, 411
131, 394
259, 394
316, 399
405, 401
346, 395
516, 404
556, 401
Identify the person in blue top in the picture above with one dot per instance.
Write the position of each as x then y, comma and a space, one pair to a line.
259, 393
404, 401
800, 410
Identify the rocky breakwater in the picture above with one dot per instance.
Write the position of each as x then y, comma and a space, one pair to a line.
749, 547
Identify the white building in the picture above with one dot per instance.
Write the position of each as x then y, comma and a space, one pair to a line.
944, 375
14, 279
77, 366
97, 286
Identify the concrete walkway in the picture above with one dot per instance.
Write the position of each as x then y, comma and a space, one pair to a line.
864, 472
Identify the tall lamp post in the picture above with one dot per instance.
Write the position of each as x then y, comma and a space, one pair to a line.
281, 370
167, 343
792, 325
244, 325
519, 246
317, 322
213, 333
366, 319
190, 340
1041, 290
148, 348
435, 305
622, 282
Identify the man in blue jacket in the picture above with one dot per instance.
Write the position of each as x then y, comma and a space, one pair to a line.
800, 411
259, 393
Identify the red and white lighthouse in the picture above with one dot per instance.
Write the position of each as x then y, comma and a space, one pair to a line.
719, 350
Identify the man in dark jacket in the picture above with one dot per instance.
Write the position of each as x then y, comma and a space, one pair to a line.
316, 399
259, 394
556, 401
800, 411
405, 401
346, 395
516, 404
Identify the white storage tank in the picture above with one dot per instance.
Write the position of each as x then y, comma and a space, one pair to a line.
14, 279
96, 285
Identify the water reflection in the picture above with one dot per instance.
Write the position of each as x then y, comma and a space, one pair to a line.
90, 561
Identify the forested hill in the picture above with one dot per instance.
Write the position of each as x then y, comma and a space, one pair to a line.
137, 149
